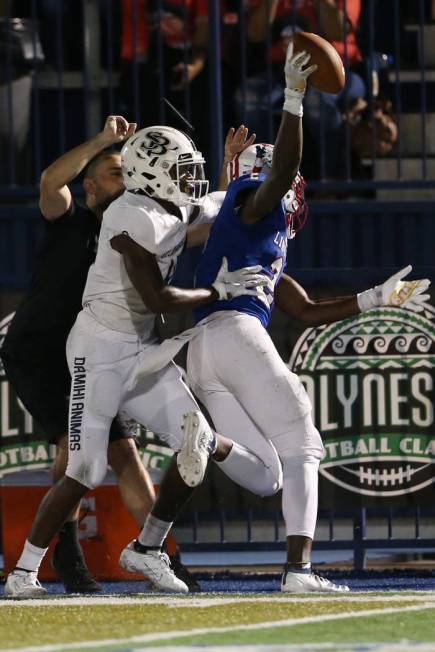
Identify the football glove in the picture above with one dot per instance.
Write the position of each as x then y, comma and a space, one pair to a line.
395, 292
296, 79
242, 281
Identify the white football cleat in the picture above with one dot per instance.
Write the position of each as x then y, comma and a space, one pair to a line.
23, 585
199, 442
294, 582
154, 565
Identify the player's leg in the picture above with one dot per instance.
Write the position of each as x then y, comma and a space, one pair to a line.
68, 560
253, 462
134, 482
94, 401
41, 381
245, 360
159, 401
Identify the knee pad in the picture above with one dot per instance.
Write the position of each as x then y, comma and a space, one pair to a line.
104, 393
289, 463
91, 473
302, 438
269, 482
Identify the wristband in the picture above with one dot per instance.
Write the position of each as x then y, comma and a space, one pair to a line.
370, 299
293, 102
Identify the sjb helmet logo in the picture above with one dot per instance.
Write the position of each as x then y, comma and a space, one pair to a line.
155, 143
371, 382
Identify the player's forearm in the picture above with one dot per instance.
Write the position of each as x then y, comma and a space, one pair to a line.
285, 164
69, 165
173, 299
223, 179
197, 235
330, 311
317, 313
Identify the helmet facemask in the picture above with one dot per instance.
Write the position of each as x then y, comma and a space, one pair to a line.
295, 206
189, 179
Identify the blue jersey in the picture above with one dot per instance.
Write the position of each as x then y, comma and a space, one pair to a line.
263, 243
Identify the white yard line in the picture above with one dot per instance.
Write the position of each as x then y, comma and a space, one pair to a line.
308, 647
217, 600
167, 636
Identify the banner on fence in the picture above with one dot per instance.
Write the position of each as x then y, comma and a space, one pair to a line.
371, 383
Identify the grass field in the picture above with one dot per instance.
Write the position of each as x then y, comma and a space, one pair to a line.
145, 621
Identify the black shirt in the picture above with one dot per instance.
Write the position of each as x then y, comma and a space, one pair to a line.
54, 297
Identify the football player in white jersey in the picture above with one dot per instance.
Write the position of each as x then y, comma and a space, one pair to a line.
112, 343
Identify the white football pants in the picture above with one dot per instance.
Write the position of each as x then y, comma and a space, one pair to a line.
107, 374
253, 398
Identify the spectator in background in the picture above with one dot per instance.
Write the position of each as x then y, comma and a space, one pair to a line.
337, 21
20, 53
174, 41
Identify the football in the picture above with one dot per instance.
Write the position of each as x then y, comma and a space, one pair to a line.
329, 76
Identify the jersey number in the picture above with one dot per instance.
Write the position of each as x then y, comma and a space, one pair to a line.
275, 270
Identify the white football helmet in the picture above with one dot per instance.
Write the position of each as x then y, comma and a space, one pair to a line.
164, 163
258, 158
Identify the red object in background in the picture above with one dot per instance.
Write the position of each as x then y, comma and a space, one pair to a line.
105, 524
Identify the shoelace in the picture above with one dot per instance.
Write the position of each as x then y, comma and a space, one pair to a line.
165, 559
204, 441
31, 578
323, 580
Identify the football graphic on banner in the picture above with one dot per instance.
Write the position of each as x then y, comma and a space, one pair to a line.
371, 382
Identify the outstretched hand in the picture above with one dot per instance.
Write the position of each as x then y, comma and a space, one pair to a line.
236, 142
406, 294
295, 74
396, 292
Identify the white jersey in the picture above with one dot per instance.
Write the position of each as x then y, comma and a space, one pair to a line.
109, 294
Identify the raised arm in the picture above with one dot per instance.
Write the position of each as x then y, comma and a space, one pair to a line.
55, 196
288, 146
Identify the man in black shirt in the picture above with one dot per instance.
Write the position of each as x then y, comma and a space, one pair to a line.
33, 351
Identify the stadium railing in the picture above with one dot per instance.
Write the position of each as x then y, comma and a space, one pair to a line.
386, 221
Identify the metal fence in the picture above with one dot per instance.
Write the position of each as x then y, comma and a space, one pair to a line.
358, 530
68, 65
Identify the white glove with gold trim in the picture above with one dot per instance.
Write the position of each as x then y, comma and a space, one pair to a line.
395, 292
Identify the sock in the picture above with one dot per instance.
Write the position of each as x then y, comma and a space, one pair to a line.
31, 558
69, 536
154, 532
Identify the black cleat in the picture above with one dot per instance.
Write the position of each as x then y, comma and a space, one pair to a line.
71, 569
184, 574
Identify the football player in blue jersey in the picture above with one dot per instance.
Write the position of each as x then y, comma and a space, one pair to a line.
233, 365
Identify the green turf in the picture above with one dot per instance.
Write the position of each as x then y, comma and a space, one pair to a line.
392, 628
62, 625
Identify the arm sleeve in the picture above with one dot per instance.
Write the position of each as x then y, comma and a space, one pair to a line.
210, 208
146, 227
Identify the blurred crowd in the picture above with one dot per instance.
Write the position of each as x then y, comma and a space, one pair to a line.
160, 48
